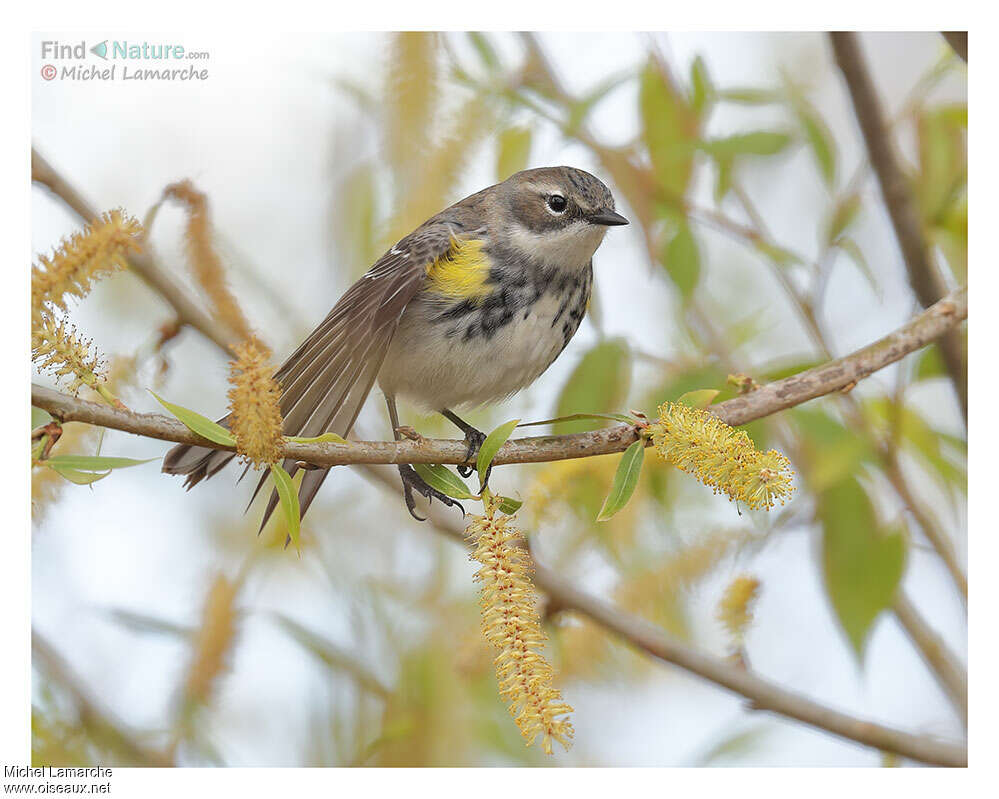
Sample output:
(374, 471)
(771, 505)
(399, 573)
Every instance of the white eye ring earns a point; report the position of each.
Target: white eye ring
(556, 204)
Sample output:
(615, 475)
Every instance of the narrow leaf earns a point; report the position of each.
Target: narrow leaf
(683, 261)
(759, 142)
(862, 565)
(496, 439)
(514, 151)
(80, 478)
(39, 417)
(573, 417)
(598, 384)
(94, 463)
(701, 398)
(444, 480)
(702, 93)
(625, 479)
(509, 505)
(289, 501)
(197, 423)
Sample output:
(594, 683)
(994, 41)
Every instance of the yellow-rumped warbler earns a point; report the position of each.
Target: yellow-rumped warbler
(469, 308)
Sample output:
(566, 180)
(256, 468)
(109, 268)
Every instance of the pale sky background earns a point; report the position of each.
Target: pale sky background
(260, 138)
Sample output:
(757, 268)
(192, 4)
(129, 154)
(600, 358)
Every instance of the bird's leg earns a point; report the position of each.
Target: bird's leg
(473, 438)
(410, 479)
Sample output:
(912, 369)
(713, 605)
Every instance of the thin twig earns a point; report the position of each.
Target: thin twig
(143, 264)
(902, 208)
(763, 694)
(940, 660)
(90, 714)
(766, 400)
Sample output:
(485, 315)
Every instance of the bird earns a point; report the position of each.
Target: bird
(468, 309)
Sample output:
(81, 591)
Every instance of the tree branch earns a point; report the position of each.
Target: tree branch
(898, 196)
(91, 715)
(958, 40)
(941, 661)
(763, 694)
(143, 264)
(840, 374)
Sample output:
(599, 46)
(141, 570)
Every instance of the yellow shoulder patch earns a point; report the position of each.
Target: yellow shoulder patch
(462, 274)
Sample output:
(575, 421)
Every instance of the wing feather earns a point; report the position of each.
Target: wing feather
(326, 380)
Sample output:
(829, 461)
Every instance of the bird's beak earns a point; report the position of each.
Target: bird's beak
(608, 218)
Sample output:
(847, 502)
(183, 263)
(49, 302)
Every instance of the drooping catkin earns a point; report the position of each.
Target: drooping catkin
(205, 262)
(735, 610)
(98, 250)
(254, 405)
(721, 457)
(57, 348)
(213, 640)
(510, 623)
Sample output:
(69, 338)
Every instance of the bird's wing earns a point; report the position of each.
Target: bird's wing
(325, 381)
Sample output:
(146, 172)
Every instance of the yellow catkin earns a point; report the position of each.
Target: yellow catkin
(205, 262)
(735, 610)
(98, 250)
(56, 348)
(510, 623)
(721, 457)
(254, 405)
(213, 641)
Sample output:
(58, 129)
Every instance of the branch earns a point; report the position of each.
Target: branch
(838, 375)
(958, 41)
(763, 694)
(941, 661)
(91, 715)
(143, 264)
(898, 196)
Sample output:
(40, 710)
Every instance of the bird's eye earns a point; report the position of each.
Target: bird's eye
(557, 203)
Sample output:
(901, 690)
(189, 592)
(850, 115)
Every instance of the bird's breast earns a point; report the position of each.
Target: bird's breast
(468, 352)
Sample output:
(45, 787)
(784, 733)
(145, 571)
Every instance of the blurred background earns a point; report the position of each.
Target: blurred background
(759, 245)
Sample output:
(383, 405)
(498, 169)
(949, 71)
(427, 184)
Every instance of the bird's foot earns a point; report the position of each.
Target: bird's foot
(411, 480)
(473, 441)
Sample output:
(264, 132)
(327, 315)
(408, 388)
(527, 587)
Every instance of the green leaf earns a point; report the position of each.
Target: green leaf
(444, 480)
(930, 364)
(701, 398)
(598, 384)
(509, 505)
(573, 417)
(289, 501)
(723, 181)
(683, 261)
(94, 463)
(197, 423)
(751, 96)
(862, 566)
(702, 92)
(496, 439)
(485, 49)
(78, 477)
(625, 479)
(843, 216)
(580, 108)
(756, 143)
(670, 129)
(852, 249)
(514, 151)
(39, 417)
(332, 438)
(819, 140)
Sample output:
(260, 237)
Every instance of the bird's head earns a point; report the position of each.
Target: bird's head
(557, 214)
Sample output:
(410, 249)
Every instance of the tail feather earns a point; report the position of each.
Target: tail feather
(325, 381)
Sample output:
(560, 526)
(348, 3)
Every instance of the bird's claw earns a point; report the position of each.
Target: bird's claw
(411, 480)
(473, 440)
